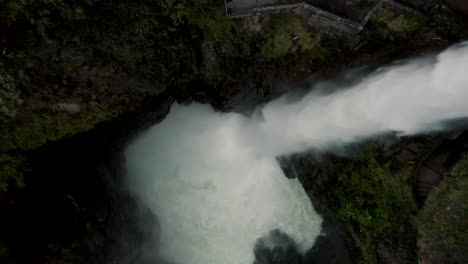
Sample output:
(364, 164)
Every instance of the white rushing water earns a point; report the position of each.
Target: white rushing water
(214, 196)
(212, 178)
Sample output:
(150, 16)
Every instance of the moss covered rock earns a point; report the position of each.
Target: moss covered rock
(443, 221)
(9, 94)
(370, 200)
(286, 34)
(397, 21)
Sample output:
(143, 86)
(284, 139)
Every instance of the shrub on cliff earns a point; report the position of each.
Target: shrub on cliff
(449, 25)
(9, 94)
(396, 22)
(370, 199)
(443, 221)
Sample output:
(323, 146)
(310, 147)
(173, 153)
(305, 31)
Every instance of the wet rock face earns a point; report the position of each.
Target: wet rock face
(75, 208)
(398, 246)
(210, 57)
(333, 246)
(459, 6)
(276, 248)
(318, 176)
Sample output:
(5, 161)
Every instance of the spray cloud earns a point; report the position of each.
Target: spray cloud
(212, 178)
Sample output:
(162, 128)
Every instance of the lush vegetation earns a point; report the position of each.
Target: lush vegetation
(449, 25)
(9, 94)
(397, 22)
(443, 221)
(62, 63)
(370, 199)
(124, 34)
(44, 45)
(286, 34)
(41, 128)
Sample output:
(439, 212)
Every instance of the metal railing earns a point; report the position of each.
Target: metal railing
(322, 13)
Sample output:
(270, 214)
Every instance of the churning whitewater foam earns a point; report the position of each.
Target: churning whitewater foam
(213, 195)
(212, 178)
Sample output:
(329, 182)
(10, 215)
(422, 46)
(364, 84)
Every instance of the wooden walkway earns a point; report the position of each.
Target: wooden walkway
(433, 168)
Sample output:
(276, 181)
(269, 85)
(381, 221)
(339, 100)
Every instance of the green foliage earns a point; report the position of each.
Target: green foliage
(124, 33)
(5, 255)
(370, 200)
(449, 25)
(403, 24)
(284, 35)
(443, 221)
(9, 94)
(43, 127)
(11, 10)
(397, 23)
(159, 35)
(12, 167)
(3, 251)
(34, 16)
(155, 38)
(147, 36)
(207, 19)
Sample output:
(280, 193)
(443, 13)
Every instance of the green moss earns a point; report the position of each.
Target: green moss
(286, 34)
(209, 21)
(450, 26)
(149, 37)
(3, 252)
(403, 24)
(12, 167)
(397, 23)
(370, 200)
(43, 127)
(6, 256)
(9, 94)
(443, 221)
